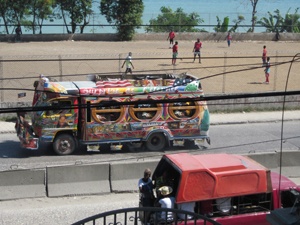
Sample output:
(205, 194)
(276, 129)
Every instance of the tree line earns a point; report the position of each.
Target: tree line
(126, 16)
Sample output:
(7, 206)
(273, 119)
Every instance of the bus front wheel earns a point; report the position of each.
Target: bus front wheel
(156, 142)
(64, 144)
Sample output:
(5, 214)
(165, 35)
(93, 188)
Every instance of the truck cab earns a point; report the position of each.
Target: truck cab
(230, 189)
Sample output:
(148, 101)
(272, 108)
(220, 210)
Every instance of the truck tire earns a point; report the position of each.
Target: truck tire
(64, 144)
(156, 142)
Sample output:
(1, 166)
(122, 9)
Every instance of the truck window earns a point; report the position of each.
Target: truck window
(236, 205)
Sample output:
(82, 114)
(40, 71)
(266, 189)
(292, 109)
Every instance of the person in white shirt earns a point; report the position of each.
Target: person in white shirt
(128, 62)
(167, 201)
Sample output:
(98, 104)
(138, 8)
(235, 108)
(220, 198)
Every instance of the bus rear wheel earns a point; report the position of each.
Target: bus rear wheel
(64, 144)
(156, 142)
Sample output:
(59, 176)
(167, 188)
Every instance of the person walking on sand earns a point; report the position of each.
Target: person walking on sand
(171, 38)
(196, 49)
(264, 55)
(128, 63)
(267, 70)
(175, 52)
(228, 38)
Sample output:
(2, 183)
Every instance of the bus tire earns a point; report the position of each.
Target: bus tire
(190, 144)
(156, 142)
(64, 144)
(104, 148)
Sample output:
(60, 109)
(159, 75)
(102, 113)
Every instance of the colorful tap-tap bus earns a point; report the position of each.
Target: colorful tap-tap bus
(148, 111)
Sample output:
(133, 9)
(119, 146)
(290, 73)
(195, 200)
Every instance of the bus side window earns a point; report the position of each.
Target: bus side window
(107, 112)
(140, 112)
(183, 110)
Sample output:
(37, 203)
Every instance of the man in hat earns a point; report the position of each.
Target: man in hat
(167, 201)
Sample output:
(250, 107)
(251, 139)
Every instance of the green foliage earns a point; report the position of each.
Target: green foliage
(225, 24)
(125, 14)
(78, 11)
(13, 12)
(38, 10)
(275, 22)
(291, 22)
(178, 21)
(222, 27)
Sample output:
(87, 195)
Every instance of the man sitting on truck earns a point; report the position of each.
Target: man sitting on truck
(167, 201)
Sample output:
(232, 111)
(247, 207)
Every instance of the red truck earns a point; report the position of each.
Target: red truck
(230, 189)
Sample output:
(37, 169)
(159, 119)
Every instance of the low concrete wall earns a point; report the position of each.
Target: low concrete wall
(106, 178)
(78, 180)
(269, 160)
(124, 176)
(152, 37)
(18, 184)
(251, 104)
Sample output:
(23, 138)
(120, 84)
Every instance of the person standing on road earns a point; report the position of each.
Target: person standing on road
(228, 38)
(196, 49)
(128, 63)
(146, 187)
(267, 70)
(175, 52)
(264, 55)
(171, 38)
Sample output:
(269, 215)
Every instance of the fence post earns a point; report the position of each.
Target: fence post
(275, 72)
(224, 71)
(60, 68)
(120, 64)
(1, 79)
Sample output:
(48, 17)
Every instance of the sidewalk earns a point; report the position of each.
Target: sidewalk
(215, 119)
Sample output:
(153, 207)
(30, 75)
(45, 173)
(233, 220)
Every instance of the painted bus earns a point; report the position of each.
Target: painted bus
(227, 188)
(139, 111)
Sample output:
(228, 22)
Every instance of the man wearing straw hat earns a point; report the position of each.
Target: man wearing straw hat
(167, 201)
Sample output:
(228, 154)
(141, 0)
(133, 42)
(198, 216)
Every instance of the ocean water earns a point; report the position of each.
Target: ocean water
(207, 9)
(210, 9)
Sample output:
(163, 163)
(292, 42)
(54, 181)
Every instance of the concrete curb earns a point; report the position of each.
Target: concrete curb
(17, 184)
(78, 180)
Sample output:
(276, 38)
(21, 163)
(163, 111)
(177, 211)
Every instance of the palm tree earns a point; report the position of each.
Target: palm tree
(276, 23)
(291, 22)
(273, 23)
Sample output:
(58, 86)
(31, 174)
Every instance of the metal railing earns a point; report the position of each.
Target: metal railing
(137, 216)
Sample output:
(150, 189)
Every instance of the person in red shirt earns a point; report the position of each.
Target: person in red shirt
(196, 49)
(264, 55)
(228, 38)
(175, 52)
(171, 38)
